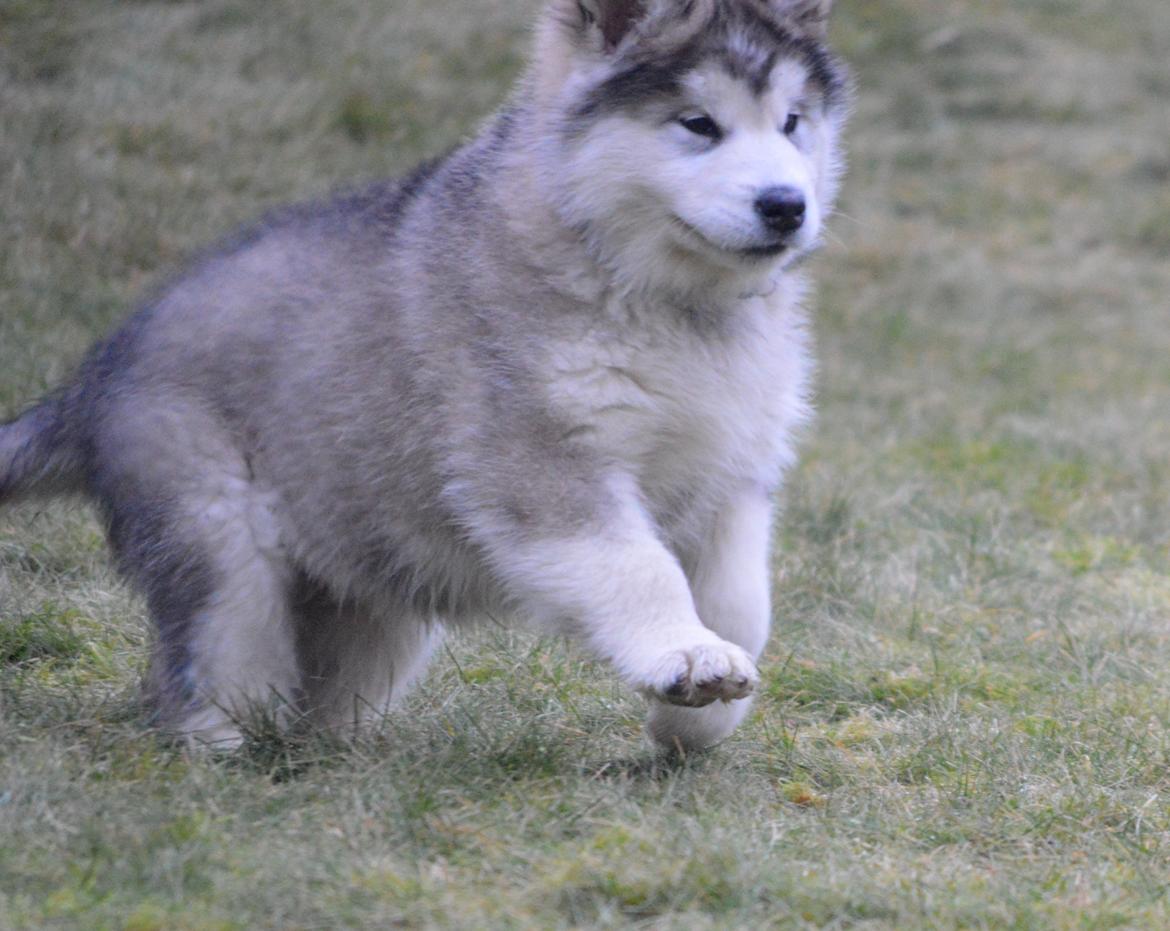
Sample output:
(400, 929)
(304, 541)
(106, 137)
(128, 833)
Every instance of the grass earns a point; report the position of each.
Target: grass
(967, 698)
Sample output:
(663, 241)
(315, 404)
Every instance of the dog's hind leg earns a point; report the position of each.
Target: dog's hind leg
(730, 583)
(194, 533)
(358, 661)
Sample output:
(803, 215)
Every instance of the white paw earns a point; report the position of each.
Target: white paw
(698, 675)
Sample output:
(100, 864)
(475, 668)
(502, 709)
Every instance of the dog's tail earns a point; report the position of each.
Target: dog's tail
(39, 455)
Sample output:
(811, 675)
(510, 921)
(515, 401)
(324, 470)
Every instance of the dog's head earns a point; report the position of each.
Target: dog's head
(700, 133)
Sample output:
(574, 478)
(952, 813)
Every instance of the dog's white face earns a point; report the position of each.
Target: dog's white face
(719, 152)
(738, 170)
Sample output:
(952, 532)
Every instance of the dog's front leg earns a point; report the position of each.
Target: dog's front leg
(730, 582)
(620, 590)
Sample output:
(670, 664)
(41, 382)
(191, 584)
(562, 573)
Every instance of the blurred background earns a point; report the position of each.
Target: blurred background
(966, 699)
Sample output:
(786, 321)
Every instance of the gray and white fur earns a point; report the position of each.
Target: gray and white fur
(554, 376)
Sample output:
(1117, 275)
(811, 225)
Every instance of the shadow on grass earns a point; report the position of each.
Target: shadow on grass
(653, 766)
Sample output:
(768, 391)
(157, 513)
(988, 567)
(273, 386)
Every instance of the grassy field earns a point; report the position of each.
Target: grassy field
(967, 697)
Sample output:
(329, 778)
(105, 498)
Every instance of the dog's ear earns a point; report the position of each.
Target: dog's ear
(614, 18)
(811, 16)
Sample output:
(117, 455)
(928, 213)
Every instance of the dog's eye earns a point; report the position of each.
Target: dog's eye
(791, 124)
(702, 125)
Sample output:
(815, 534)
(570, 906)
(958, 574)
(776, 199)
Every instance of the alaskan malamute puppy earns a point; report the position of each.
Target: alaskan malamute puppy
(553, 375)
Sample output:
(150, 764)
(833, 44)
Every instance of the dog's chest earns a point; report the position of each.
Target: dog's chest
(682, 406)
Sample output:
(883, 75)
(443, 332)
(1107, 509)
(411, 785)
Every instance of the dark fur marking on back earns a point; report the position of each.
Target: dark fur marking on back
(390, 208)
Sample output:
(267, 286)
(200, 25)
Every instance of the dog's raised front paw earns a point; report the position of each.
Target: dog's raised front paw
(699, 675)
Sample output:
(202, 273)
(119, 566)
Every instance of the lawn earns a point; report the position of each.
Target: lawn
(966, 700)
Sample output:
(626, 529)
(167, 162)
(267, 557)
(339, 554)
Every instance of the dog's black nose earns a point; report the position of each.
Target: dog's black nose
(782, 208)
